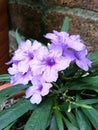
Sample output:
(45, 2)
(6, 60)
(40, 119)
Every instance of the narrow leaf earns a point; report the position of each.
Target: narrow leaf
(11, 114)
(82, 86)
(18, 38)
(69, 125)
(40, 116)
(59, 120)
(4, 77)
(6, 93)
(82, 120)
(94, 58)
(72, 118)
(82, 105)
(91, 80)
(9, 126)
(65, 25)
(53, 125)
(88, 101)
(92, 115)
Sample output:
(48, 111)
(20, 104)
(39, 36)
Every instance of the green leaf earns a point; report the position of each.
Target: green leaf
(88, 101)
(82, 105)
(96, 106)
(82, 120)
(94, 58)
(69, 125)
(65, 106)
(90, 80)
(11, 114)
(92, 115)
(4, 77)
(70, 71)
(59, 119)
(9, 126)
(53, 125)
(65, 25)
(6, 93)
(40, 116)
(18, 38)
(82, 86)
(72, 118)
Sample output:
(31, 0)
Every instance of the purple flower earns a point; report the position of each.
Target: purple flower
(40, 88)
(72, 48)
(81, 59)
(39, 65)
(13, 70)
(20, 70)
(49, 64)
(21, 78)
(25, 54)
(63, 40)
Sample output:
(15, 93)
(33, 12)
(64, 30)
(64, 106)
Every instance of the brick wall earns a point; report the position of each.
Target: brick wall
(36, 17)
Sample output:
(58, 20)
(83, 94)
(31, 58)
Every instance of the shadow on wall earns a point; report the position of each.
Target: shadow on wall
(4, 41)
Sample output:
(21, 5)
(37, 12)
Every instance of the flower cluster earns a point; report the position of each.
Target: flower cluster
(39, 65)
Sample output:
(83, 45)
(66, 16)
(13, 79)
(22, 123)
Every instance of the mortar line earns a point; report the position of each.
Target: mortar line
(87, 14)
(84, 13)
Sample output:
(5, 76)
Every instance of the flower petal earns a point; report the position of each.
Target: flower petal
(36, 98)
(84, 63)
(29, 92)
(46, 88)
(50, 74)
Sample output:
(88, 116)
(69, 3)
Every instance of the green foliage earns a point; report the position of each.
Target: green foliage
(39, 117)
(72, 118)
(91, 80)
(11, 114)
(94, 58)
(53, 124)
(65, 25)
(59, 119)
(82, 120)
(9, 126)
(8, 92)
(18, 38)
(4, 77)
(69, 125)
(92, 115)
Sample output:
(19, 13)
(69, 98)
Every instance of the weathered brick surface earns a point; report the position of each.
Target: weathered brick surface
(24, 1)
(26, 19)
(36, 17)
(87, 4)
(87, 28)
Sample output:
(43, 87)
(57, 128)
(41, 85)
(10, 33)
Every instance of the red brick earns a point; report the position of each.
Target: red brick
(87, 4)
(26, 19)
(88, 29)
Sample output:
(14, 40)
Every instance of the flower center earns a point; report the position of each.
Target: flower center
(50, 61)
(31, 56)
(40, 88)
(76, 55)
